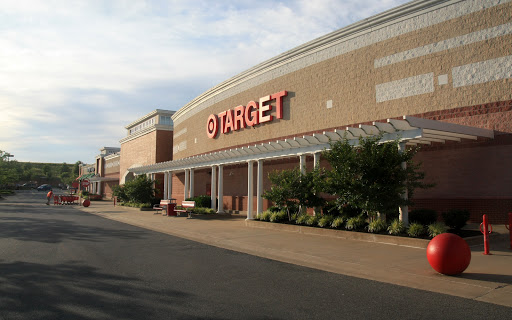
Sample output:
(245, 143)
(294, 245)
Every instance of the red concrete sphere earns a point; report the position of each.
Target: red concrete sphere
(86, 203)
(448, 254)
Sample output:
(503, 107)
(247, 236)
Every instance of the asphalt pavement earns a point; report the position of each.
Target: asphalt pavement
(69, 262)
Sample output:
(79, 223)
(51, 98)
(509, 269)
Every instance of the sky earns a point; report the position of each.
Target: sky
(73, 74)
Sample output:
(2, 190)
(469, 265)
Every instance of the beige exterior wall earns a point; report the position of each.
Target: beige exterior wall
(112, 166)
(456, 62)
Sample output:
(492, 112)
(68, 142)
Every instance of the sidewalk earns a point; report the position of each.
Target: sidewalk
(488, 277)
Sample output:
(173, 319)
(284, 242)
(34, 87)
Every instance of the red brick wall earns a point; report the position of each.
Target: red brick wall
(139, 151)
(497, 209)
(178, 186)
(163, 145)
(151, 148)
(107, 188)
(496, 116)
(473, 175)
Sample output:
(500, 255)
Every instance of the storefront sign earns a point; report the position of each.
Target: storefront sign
(246, 116)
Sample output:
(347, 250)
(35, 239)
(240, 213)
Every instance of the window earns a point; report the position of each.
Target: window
(144, 125)
(165, 120)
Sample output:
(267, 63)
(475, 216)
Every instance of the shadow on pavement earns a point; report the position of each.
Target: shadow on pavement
(500, 278)
(76, 291)
(54, 230)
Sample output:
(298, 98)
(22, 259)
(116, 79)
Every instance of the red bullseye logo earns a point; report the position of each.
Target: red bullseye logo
(212, 126)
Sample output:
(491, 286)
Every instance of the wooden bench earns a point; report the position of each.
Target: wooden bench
(188, 206)
(162, 206)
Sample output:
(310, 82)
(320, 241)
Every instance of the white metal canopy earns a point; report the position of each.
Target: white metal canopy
(411, 130)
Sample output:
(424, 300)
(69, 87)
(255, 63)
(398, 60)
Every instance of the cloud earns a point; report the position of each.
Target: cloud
(74, 73)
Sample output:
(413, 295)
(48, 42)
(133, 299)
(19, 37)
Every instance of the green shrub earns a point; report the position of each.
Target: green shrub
(274, 209)
(293, 208)
(325, 221)
(396, 227)
(350, 211)
(278, 216)
(139, 190)
(338, 222)
(293, 217)
(377, 225)
(135, 204)
(265, 215)
(423, 216)
(283, 215)
(456, 218)
(330, 208)
(436, 228)
(203, 210)
(355, 223)
(415, 230)
(302, 219)
(311, 221)
(202, 201)
(273, 217)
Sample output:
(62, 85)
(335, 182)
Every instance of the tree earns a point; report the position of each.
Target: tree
(66, 178)
(290, 189)
(370, 176)
(76, 168)
(8, 172)
(47, 170)
(64, 168)
(282, 192)
(139, 190)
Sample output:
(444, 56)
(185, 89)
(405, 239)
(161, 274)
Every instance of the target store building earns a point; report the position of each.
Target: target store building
(435, 74)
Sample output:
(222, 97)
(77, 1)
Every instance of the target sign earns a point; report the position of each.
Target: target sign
(251, 115)
(212, 128)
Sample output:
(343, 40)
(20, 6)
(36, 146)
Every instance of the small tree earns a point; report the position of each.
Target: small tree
(282, 192)
(370, 176)
(291, 188)
(310, 187)
(138, 190)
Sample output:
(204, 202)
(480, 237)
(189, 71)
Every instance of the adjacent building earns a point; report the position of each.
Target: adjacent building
(149, 140)
(107, 172)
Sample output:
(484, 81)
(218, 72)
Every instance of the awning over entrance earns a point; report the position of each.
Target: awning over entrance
(411, 130)
(85, 176)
